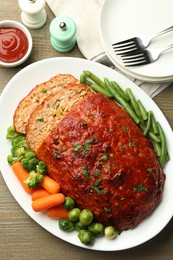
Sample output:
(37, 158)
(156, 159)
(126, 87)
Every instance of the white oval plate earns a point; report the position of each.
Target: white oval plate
(121, 19)
(18, 87)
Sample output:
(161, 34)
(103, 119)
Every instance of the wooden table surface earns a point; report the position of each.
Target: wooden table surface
(20, 237)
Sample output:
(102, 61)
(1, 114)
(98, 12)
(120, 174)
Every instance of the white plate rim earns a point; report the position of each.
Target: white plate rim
(51, 67)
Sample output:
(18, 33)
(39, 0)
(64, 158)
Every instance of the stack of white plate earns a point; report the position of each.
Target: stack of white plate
(123, 19)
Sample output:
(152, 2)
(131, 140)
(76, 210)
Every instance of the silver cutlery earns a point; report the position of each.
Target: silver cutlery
(144, 57)
(137, 43)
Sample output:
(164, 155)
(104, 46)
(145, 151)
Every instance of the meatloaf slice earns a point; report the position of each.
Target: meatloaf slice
(102, 159)
(36, 96)
(52, 110)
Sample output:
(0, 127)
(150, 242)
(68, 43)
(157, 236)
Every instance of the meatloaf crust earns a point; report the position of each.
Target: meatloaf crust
(36, 96)
(52, 110)
(101, 159)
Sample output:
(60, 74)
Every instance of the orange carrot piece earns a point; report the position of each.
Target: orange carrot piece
(48, 202)
(50, 185)
(21, 175)
(57, 212)
(39, 193)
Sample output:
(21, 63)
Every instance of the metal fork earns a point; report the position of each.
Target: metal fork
(137, 43)
(144, 57)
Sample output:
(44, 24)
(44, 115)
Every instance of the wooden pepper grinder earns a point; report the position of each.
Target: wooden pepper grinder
(63, 33)
(33, 13)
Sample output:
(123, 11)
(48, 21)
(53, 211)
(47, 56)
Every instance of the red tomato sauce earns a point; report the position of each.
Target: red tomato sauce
(13, 44)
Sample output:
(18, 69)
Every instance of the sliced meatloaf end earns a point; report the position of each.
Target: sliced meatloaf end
(36, 96)
(52, 110)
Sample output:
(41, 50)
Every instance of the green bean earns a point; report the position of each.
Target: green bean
(164, 151)
(96, 79)
(157, 148)
(154, 124)
(147, 129)
(167, 157)
(123, 102)
(133, 102)
(117, 88)
(89, 83)
(154, 137)
(83, 78)
(102, 91)
(106, 88)
(142, 110)
(120, 90)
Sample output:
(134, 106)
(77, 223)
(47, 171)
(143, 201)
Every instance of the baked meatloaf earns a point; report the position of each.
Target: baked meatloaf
(101, 159)
(36, 96)
(53, 108)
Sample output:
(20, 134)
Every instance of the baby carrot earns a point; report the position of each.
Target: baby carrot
(48, 202)
(50, 185)
(39, 193)
(22, 175)
(57, 212)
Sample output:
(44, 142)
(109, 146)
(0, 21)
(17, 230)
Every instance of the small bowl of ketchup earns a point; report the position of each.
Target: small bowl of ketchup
(15, 43)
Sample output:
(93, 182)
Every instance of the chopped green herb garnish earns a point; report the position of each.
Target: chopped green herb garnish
(86, 146)
(97, 182)
(76, 148)
(140, 188)
(97, 190)
(85, 169)
(97, 173)
(43, 91)
(125, 128)
(150, 169)
(132, 143)
(56, 156)
(107, 210)
(105, 156)
(108, 165)
(40, 119)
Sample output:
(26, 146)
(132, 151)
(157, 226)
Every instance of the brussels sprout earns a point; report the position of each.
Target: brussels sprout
(96, 228)
(110, 232)
(86, 217)
(66, 225)
(86, 237)
(73, 214)
(79, 226)
(69, 203)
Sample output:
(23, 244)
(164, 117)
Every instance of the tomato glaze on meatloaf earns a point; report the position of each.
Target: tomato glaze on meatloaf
(101, 158)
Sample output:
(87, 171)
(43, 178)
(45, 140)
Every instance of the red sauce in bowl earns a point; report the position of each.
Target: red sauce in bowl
(13, 44)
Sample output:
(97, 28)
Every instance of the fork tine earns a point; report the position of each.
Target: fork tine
(133, 57)
(124, 45)
(136, 59)
(136, 64)
(122, 42)
(126, 52)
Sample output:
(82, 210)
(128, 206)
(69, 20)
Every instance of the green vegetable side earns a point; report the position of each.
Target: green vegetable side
(84, 223)
(144, 119)
(21, 152)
